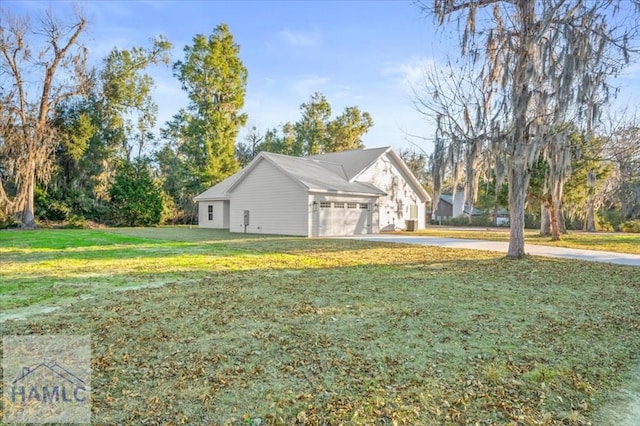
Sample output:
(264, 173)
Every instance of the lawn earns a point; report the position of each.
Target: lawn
(619, 242)
(205, 327)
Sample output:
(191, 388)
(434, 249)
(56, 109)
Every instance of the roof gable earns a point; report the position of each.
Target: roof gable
(219, 190)
(336, 172)
(448, 198)
(312, 174)
(353, 162)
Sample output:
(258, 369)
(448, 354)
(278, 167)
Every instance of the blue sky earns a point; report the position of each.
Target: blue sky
(359, 53)
(363, 53)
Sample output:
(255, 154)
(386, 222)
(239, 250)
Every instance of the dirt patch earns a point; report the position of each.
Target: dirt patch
(624, 407)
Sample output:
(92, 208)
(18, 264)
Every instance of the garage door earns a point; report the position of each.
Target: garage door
(344, 218)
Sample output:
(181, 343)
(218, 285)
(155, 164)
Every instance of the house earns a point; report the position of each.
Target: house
(342, 193)
(453, 206)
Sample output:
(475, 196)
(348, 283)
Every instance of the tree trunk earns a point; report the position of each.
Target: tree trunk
(562, 224)
(553, 213)
(591, 222)
(545, 221)
(518, 183)
(28, 219)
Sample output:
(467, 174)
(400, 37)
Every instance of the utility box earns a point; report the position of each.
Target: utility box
(246, 220)
(411, 225)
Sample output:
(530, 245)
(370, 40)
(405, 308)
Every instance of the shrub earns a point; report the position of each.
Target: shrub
(531, 221)
(482, 220)
(136, 198)
(609, 220)
(7, 221)
(631, 226)
(75, 222)
(603, 224)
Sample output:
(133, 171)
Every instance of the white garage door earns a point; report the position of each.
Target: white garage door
(343, 218)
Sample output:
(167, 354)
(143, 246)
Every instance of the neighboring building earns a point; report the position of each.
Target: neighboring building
(450, 207)
(342, 193)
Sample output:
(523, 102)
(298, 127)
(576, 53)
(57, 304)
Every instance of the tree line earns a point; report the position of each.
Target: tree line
(523, 119)
(77, 143)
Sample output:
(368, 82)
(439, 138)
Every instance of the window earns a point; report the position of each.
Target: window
(352, 205)
(413, 211)
(210, 212)
(364, 206)
(325, 204)
(338, 205)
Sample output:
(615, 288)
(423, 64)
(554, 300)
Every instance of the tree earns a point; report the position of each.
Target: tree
(417, 163)
(452, 97)
(245, 152)
(347, 129)
(312, 131)
(624, 152)
(316, 133)
(586, 189)
(127, 109)
(98, 131)
(541, 61)
(136, 198)
(33, 83)
(215, 79)
(76, 128)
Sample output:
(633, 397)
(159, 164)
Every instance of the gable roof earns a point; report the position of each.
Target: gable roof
(219, 190)
(449, 200)
(313, 174)
(335, 172)
(353, 162)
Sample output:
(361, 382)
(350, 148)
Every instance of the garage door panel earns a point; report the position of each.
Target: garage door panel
(344, 221)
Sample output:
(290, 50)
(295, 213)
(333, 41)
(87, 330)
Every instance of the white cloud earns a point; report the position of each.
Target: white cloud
(300, 38)
(409, 75)
(306, 86)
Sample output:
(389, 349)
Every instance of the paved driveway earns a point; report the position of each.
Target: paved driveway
(500, 246)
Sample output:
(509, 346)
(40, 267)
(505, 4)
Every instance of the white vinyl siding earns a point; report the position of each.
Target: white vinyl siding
(276, 204)
(219, 214)
(401, 202)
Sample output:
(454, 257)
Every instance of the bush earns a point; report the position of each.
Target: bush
(631, 226)
(7, 221)
(75, 222)
(604, 224)
(482, 220)
(531, 221)
(136, 198)
(609, 220)
(50, 209)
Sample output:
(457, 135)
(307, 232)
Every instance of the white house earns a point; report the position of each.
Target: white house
(342, 193)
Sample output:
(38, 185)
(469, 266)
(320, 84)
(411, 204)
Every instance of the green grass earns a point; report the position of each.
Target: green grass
(616, 242)
(287, 330)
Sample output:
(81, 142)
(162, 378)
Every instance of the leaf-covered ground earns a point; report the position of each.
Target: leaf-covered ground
(252, 330)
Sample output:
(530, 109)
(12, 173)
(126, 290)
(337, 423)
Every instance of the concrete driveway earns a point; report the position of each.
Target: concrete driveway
(500, 246)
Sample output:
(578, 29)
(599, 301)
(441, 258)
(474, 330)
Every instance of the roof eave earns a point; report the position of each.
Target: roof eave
(223, 198)
(338, 192)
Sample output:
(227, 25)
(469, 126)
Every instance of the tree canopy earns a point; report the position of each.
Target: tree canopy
(542, 63)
